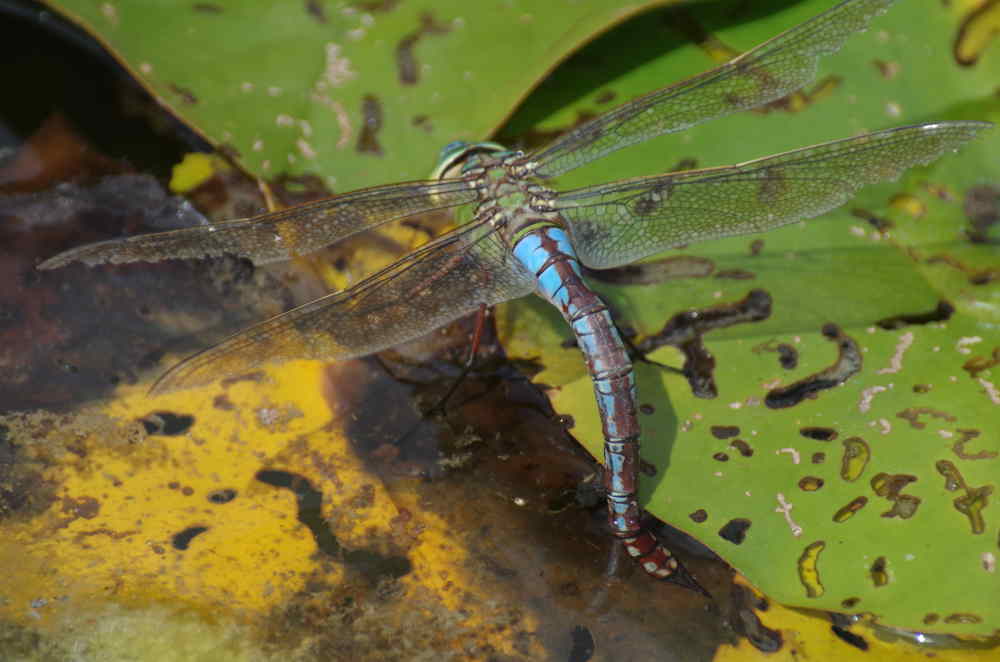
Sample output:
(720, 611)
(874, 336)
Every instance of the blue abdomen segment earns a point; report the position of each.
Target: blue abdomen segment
(548, 254)
(538, 251)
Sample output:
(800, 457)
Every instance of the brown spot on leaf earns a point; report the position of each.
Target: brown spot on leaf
(316, 11)
(976, 33)
(913, 414)
(879, 573)
(183, 539)
(407, 68)
(941, 313)
(223, 403)
(808, 567)
(371, 124)
(965, 436)
(982, 207)
(890, 486)
(810, 483)
(735, 530)
(953, 479)
(699, 516)
(422, 122)
(974, 499)
(735, 274)
(222, 496)
(978, 364)
(788, 356)
(888, 70)
(881, 224)
(685, 331)
(847, 365)
(167, 424)
(819, 434)
(846, 512)
(743, 447)
(975, 275)
(855, 458)
(724, 431)
(84, 507)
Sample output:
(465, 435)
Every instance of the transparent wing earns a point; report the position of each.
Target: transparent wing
(770, 71)
(443, 280)
(282, 234)
(618, 223)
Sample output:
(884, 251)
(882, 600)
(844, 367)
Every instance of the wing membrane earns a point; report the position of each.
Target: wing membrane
(440, 282)
(282, 234)
(618, 223)
(770, 71)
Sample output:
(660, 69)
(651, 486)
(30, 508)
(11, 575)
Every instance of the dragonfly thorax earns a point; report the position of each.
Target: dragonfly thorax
(511, 201)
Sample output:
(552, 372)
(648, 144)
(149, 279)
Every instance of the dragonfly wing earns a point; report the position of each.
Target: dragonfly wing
(282, 234)
(618, 223)
(770, 71)
(440, 282)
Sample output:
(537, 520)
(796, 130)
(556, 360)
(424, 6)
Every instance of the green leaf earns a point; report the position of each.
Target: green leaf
(920, 553)
(286, 88)
(361, 93)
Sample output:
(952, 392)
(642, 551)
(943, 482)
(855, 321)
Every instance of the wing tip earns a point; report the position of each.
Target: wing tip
(92, 254)
(954, 135)
(54, 262)
(178, 378)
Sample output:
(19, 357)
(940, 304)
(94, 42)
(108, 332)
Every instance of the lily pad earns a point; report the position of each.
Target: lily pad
(858, 475)
(350, 91)
(297, 96)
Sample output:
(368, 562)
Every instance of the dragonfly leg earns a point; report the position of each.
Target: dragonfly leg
(477, 337)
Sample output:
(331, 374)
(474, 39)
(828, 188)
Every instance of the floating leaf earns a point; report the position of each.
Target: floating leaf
(360, 93)
(852, 467)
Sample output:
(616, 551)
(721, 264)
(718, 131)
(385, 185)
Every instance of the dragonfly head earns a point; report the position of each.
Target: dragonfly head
(458, 156)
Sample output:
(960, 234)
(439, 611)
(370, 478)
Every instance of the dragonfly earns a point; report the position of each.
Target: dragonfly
(522, 236)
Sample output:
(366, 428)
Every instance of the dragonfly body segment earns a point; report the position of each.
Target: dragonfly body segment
(548, 253)
(523, 236)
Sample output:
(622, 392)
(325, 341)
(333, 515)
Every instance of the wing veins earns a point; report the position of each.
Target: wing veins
(280, 234)
(764, 62)
(283, 326)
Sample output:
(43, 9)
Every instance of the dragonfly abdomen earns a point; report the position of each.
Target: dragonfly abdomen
(547, 253)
